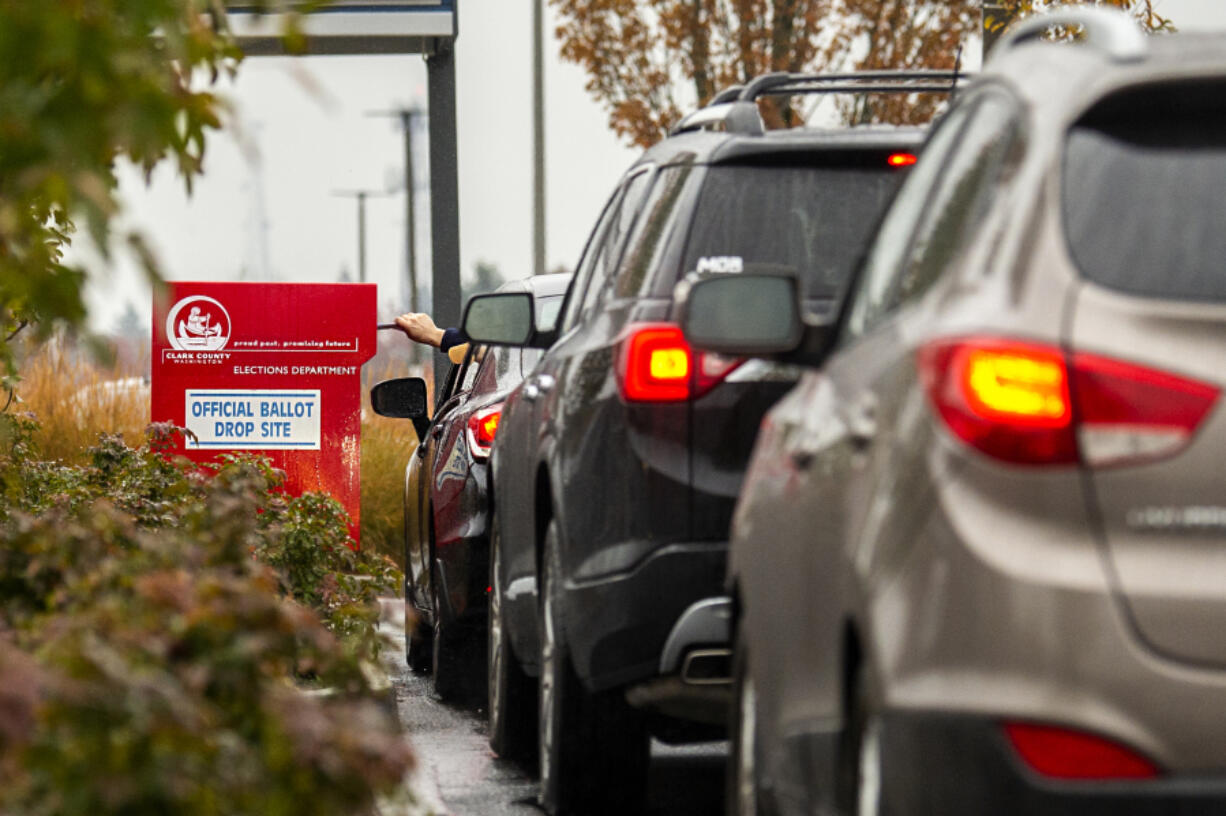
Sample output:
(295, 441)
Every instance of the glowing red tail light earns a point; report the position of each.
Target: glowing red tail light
(1060, 753)
(482, 426)
(1025, 403)
(902, 159)
(656, 364)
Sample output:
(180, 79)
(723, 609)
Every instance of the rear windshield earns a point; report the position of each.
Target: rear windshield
(1144, 178)
(811, 221)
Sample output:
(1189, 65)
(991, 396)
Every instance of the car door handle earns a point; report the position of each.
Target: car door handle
(538, 385)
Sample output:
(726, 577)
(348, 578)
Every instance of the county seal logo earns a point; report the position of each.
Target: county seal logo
(198, 323)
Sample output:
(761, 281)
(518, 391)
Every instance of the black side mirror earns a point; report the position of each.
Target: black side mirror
(505, 319)
(403, 398)
(500, 319)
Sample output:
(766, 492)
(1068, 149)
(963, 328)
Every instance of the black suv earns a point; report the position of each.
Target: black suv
(620, 457)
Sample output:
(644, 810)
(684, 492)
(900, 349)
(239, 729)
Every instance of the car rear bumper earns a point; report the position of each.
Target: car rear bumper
(617, 627)
(1001, 612)
(941, 764)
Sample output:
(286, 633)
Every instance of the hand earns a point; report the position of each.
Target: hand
(418, 326)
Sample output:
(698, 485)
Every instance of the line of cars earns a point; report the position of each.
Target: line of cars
(976, 560)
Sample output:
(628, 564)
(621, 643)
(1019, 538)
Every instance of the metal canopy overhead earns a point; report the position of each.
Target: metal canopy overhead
(393, 27)
(352, 27)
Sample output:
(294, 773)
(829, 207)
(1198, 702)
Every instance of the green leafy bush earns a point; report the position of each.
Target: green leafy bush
(157, 628)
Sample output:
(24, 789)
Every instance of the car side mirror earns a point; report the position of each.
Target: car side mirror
(499, 319)
(750, 315)
(505, 319)
(403, 398)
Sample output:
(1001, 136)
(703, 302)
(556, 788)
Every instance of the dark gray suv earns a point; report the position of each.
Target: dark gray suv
(619, 459)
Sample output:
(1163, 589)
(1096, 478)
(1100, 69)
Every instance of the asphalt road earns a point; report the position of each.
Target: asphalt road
(458, 774)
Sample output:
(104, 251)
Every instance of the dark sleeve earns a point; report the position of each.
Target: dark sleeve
(452, 337)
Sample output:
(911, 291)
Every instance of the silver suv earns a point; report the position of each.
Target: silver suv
(979, 558)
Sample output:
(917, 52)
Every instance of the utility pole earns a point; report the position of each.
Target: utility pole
(444, 192)
(538, 138)
(361, 196)
(408, 117)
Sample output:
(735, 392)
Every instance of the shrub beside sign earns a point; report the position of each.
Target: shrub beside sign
(272, 368)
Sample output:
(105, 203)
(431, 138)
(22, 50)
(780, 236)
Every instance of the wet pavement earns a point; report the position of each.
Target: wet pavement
(458, 774)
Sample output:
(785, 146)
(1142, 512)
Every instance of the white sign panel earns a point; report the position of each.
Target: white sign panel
(352, 27)
(280, 419)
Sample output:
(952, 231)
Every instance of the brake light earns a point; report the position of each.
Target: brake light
(1007, 399)
(482, 426)
(1023, 403)
(1060, 753)
(656, 364)
(902, 159)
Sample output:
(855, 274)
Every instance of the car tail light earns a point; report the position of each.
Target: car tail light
(656, 364)
(482, 426)
(1024, 403)
(1061, 753)
(1127, 413)
(901, 159)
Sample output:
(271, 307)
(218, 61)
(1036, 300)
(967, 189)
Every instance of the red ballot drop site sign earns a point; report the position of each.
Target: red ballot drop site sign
(272, 369)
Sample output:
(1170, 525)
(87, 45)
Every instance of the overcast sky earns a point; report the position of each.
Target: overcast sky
(268, 205)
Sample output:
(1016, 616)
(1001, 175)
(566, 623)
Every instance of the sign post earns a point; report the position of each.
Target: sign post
(272, 369)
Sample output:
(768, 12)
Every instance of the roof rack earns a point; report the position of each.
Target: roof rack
(726, 95)
(1112, 32)
(736, 107)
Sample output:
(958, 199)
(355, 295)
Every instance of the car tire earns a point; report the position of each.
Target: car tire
(418, 648)
(743, 794)
(594, 748)
(454, 662)
(510, 693)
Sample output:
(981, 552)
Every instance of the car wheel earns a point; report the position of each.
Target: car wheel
(594, 748)
(511, 696)
(453, 658)
(743, 795)
(418, 649)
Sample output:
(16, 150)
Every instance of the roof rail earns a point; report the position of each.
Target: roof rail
(783, 84)
(1113, 32)
(726, 95)
(737, 110)
(736, 117)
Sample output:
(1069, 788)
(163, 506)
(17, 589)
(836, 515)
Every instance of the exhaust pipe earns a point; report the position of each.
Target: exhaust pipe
(707, 667)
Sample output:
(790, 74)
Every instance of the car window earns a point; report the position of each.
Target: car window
(547, 309)
(660, 216)
(448, 390)
(611, 247)
(468, 373)
(528, 360)
(962, 195)
(1157, 156)
(812, 220)
(889, 248)
(587, 263)
(499, 367)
